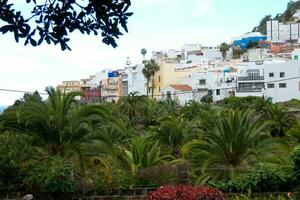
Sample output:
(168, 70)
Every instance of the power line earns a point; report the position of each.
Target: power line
(20, 91)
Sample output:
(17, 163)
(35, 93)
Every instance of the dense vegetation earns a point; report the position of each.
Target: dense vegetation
(58, 147)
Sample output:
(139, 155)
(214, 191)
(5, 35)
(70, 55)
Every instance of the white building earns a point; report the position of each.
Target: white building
(178, 92)
(296, 54)
(136, 80)
(282, 81)
(192, 53)
(280, 32)
(220, 83)
(99, 76)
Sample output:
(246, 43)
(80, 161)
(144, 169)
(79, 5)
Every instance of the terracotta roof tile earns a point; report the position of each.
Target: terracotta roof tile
(181, 87)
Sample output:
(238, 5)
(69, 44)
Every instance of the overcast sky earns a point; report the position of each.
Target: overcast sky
(155, 25)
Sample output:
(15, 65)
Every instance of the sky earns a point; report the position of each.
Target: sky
(155, 25)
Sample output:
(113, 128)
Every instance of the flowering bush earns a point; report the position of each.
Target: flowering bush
(186, 193)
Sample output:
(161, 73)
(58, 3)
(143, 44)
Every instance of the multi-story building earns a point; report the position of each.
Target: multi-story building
(250, 81)
(279, 32)
(282, 81)
(220, 83)
(136, 80)
(70, 86)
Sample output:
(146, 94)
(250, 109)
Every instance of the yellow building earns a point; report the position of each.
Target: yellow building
(70, 86)
(171, 73)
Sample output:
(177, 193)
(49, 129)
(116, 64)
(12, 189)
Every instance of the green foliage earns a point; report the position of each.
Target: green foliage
(295, 158)
(262, 178)
(231, 143)
(262, 27)
(149, 71)
(207, 99)
(14, 153)
(224, 47)
(53, 177)
(52, 21)
(241, 103)
(57, 147)
(281, 120)
(173, 133)
(287, 16)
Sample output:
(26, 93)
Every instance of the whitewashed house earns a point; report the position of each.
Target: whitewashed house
(219, 83)
(178, 92)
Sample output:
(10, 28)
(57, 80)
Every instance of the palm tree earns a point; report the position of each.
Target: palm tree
(224, 47)
(173, 133)
(143, 153)
(152, 67)
(60, 126)
(135, 107)
(194, 109)
(280, 118)
(232, 143)
(147, 74)
(143, 52)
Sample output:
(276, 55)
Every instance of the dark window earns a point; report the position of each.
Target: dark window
(158, 89)
(271, 74)
(271, 85)
(282, 85)
(159, 79)
(168, 94)
(218, 91)
(202, 81)
(282, 74)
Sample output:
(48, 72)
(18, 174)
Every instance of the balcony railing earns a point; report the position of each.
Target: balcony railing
(248, 90)
(251, 78)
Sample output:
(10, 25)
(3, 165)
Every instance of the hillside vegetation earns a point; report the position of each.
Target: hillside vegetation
(286, 16)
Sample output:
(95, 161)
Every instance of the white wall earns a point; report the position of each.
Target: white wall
(279, 32)
(136, 80)
(103, 74)
(215, 81)
(291, 79)
(181, 96)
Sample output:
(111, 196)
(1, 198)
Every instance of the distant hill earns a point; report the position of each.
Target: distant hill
(286, 16)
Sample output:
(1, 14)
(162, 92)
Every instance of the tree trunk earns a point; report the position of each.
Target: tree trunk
(152, 86)
(147, 88)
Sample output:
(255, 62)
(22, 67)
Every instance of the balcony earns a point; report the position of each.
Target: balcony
(248, 90)
(251, 78)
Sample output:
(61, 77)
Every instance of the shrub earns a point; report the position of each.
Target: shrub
(295, 158)
(262, 178)
(186, 193)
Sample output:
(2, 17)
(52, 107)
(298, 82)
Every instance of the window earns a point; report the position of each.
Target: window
(271, 75)
(168, 94)
(271, 85)
(296, 57)
(218, 92)
(282, 74)
(282, 85)
(158, 89)
(253, 72)
(202, 81)
(159, 79)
